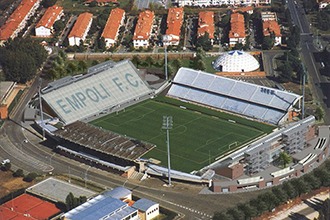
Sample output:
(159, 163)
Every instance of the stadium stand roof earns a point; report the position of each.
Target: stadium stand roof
(255, 101)
(105, 87)
(101, 207)
(236, 61)
(27, 206)
(103, 141)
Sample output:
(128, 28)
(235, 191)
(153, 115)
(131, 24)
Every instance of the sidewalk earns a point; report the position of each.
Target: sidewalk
(301, 206)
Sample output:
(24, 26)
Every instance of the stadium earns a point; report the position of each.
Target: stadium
(111, 118)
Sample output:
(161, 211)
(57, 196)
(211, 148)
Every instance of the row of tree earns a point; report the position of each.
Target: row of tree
(278, 195)
(21, 58)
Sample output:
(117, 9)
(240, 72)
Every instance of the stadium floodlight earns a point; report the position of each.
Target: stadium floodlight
(303, 91)
(167, 125)
(41, 112)
(166, 40)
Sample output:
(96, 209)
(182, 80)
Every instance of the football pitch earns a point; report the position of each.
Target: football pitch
(199, 135)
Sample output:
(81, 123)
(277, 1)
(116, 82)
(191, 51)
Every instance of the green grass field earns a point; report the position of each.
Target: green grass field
(199, 135)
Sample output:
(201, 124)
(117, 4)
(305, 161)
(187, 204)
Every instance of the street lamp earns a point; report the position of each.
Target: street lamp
(86, 174)
(166, 40)
(167, 125)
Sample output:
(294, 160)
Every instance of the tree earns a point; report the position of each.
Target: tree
(280, 194)
(58, 26)
(284, 158)
(101, 44)
(248, 210)
(204, 42)
(267, 43)
(221, 216)
(235, 213)
(177, 63)
(48, 3)
(259, 205)
(70, 201)
(312, 181)
(71, 68)
(82, 65)
(300, 186)
(323, 175)
(136, 61)
(6, 167)
(319, 114)
(201, 65)
(286, 72)
(30, 177)
(18, 173)
(289, 190)
(270, 200)
(150, 61)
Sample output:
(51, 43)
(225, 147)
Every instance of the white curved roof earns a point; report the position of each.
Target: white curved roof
(236, 61)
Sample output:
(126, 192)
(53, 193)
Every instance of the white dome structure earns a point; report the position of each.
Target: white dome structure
(236, 61)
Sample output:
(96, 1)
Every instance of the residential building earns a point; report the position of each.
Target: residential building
(270, 26)
(247, 9)
(206, 24)
(143, 29)
(237, 30)
(80, 29)
(147, 209)
(268, 16)
(272, 29)
(174, 24)
(111, 29)
(18, 19)
(206, 3)
(44, 28)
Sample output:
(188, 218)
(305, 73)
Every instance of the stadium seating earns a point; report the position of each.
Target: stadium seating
(266, 104)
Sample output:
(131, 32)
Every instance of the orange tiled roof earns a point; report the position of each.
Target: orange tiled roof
(174, 21)
(101, 1)
(237, 26)
(144, 25)
(113, 23)
(81, 24)
(269, 27)
(16, 18)
(206, 23)
(50, 16)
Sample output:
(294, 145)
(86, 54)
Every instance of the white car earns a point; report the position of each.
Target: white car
(5, 161)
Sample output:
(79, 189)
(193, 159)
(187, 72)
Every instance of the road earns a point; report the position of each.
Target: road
(318, 84)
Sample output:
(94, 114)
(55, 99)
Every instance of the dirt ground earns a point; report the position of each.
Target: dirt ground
(9, 184)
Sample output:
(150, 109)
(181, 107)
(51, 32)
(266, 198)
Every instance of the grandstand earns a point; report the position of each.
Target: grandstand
(105, 87)
(94, 141)
(254, 101)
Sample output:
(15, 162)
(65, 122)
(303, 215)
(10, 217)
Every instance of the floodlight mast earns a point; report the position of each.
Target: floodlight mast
(41, 112)
(167, 125)
(303, 92)
(166, 40)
